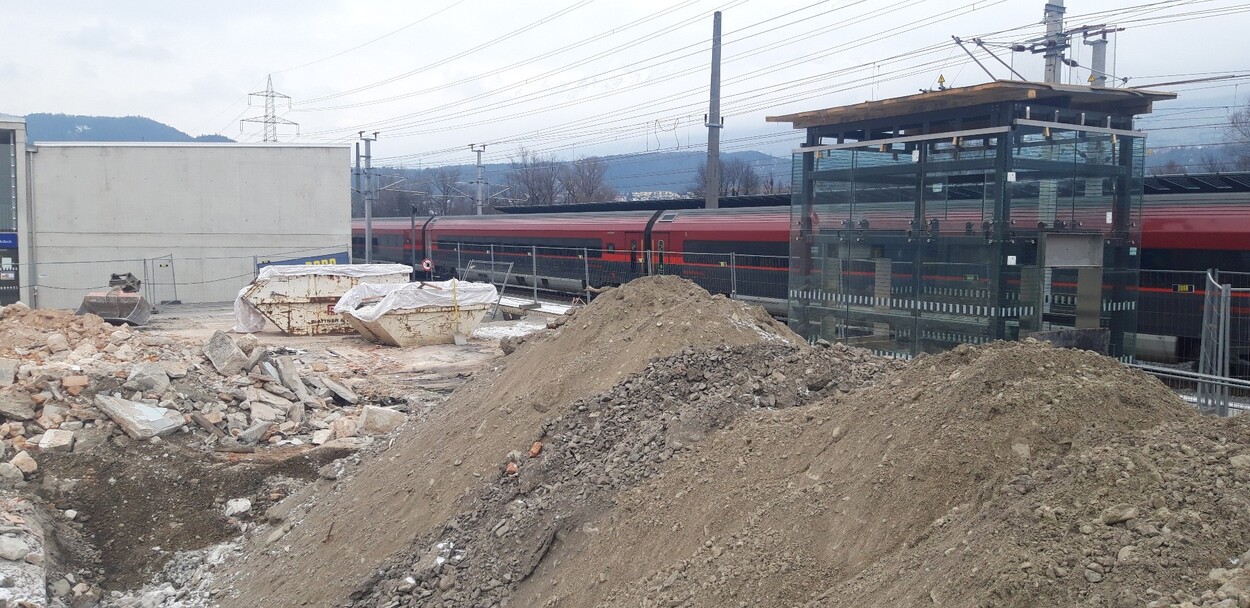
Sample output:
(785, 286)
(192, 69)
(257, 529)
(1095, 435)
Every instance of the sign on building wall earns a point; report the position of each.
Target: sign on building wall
(316, 260)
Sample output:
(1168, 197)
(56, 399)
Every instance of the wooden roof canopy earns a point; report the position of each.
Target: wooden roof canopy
(1093, 99)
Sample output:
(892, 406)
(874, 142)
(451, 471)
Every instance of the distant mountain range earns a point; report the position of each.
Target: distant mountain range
(73, 127)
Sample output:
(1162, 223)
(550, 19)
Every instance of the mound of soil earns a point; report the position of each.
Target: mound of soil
(386, 511)
(840, 503)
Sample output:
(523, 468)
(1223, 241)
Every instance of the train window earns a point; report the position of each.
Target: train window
(611, 247)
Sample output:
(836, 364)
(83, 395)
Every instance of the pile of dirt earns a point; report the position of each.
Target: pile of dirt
(900, 495)
(388, 508)
(579, 462)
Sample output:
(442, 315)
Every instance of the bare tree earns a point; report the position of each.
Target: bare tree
(1212, 163)
(737, 177)
(1239, 137)
(535, 178)
(585, 181)
(443, 190)
(1170, 168)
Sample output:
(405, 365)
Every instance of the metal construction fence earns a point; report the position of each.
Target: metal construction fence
(1194, 334)
(548, 270)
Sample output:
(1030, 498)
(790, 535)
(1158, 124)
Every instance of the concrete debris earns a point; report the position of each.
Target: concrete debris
(24, 462)
(8, 370)
(56, 440)
(290, 377)
(226, 356)
(376, 420)
(10, 472)
(149, 378)
(264, 412)
(74, 385)
(57, 343)
(13, 548)
(140, 420)
(16, 406)
(237, 506)
(341, 391)
(343, 427)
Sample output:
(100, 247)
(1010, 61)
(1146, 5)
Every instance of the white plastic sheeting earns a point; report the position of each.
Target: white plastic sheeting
(248, 319)
(413, 296)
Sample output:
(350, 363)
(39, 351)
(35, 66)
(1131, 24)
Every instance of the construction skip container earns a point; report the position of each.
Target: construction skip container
(417, 314)
(300, 299)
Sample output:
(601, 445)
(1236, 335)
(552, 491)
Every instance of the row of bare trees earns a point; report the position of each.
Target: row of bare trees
(534, 179)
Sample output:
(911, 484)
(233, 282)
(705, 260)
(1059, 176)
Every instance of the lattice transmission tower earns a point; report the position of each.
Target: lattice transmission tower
(270, 119)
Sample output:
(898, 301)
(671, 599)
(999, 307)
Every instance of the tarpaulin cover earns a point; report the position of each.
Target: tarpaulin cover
(248, 319)
(413, 296)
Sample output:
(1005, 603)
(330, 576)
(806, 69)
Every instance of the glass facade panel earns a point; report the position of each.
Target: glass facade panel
(964, 237)
(8, 181)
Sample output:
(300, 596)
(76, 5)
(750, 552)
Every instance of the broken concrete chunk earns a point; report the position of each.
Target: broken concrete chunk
(343, 427)
(255, 433)
(8, 371)
(56, 440)
(16, 405)
(149, 377)
(248, 343)
(13, 548)
(266, 412)
(174, 369)
(57, 343)
(341, 391)
(237, 506)
(74, 385)
(321, 436)
(9, 472)
(224, 354)
(140, 420)
(290, 377)
(378, 420)
(25, 462)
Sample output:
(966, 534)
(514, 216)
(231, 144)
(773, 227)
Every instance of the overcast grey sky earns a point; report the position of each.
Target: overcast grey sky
(570, 78)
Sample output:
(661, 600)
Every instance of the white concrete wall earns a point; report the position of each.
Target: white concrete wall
(103, 208)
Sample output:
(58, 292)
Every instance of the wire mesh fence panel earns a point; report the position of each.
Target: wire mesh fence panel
(761, 276)
(1213, 358)
(1169, 315)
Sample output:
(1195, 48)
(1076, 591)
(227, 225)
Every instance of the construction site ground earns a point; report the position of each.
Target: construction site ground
(658, 447)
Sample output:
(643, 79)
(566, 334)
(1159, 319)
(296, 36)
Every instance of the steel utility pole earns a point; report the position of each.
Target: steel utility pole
(1056, 39)
(480, 180)
(711, 176)
(356, 189)
(369, 195)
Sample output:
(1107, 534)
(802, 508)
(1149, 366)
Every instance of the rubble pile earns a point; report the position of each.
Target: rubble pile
(72, 382)
(577, 462)
(132, 432)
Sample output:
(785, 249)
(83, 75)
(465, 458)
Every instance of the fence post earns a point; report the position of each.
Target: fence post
(534, 270)
(459, 264)
(173, 277)
(733, 275)
(586, 266)
(1225, 352)
(492, 270)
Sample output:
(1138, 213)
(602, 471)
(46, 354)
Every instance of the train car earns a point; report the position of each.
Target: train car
(1190, 223)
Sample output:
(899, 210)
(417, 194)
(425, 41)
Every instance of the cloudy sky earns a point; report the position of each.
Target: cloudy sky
(571, 78)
